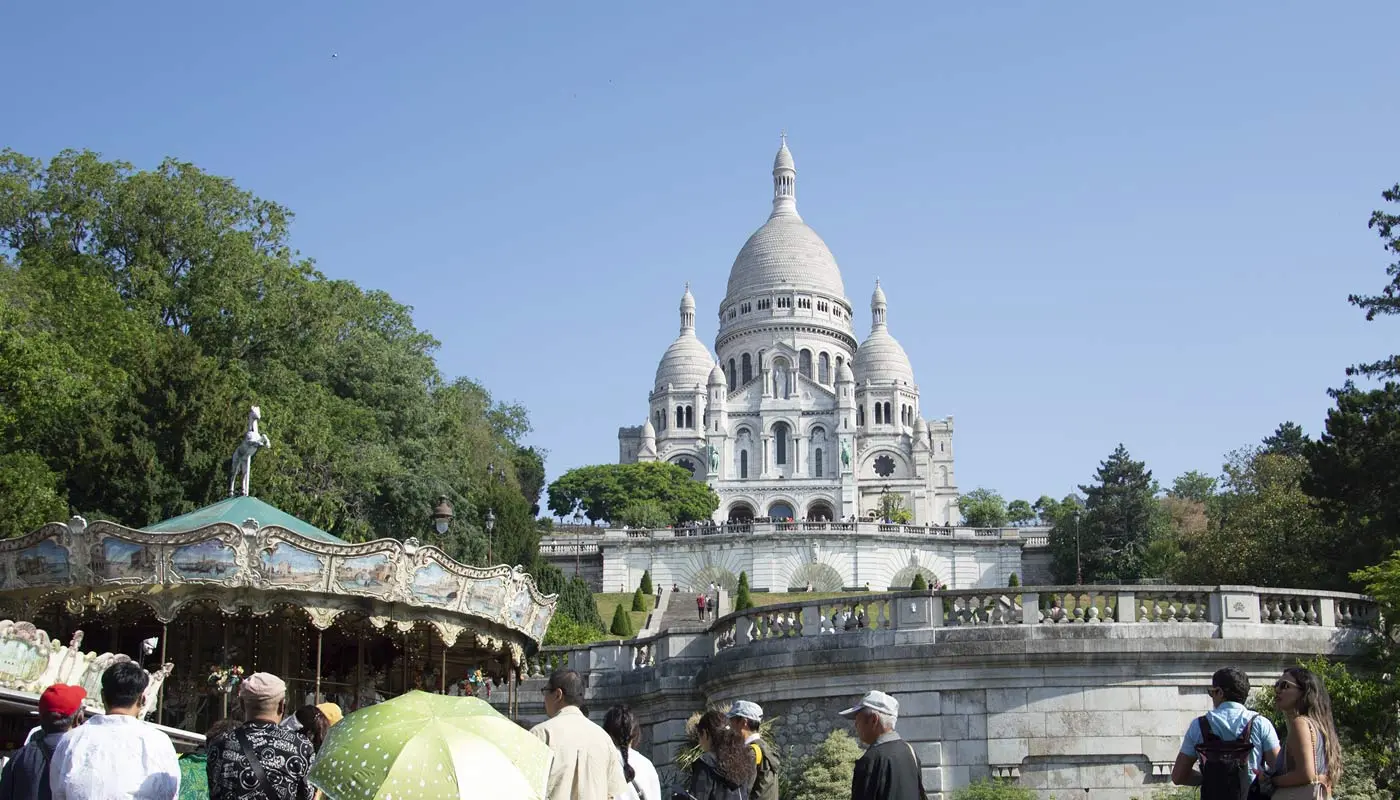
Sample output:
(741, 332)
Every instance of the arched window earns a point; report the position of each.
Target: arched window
(888, 418)
(780, 443)
(730, 377)
(839, 361)
(860, 416)
(743, 463)
(879, 413)
(747, 372)
(680, 417)
(690, 416)
(804, 363)
(824, 368)
(817, 462)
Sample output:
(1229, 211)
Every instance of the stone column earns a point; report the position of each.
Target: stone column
(799, 464)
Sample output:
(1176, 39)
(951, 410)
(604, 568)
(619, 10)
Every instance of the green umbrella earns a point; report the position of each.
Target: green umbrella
(421, 746)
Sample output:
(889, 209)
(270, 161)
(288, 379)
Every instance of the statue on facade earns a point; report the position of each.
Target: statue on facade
(845, 454)
(242, 461)
(714, 458)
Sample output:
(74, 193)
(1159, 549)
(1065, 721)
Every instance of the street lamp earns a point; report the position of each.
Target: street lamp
(1078, 565)
(442, 515)
(490, 538)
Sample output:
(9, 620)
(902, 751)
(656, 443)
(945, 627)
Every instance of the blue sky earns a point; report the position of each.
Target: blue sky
(1096, 222)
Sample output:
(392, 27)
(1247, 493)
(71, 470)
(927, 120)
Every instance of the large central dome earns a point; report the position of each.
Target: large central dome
(785, 253)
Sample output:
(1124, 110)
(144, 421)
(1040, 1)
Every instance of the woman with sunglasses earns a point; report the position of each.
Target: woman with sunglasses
(1311, 761)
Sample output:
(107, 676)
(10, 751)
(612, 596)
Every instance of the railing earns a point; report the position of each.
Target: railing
(568, 549)
(1201, 611)
(1029, 536)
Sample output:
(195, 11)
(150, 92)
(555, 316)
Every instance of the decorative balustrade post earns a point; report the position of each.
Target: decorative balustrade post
(1232, 607)
(1327, 612)
(1030, 608)
(1127, 608)
(812, 619)
(743, 630)
(936, 611)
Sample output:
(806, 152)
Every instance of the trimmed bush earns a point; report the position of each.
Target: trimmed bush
(742, 601)
(639, 600)
(646, 583)
(1014, 581)
(622, 623)
(919, 585)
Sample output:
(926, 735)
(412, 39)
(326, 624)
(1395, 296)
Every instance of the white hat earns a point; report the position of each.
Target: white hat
(746, 710)
(875, 701)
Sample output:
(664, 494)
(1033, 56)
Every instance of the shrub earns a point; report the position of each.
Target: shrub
(742, 601)
(646, 587)
(565, 630)
(622, 623)
(919, 584)
(826, 773)
(576, 600)
(1014, 581)
(639, 600)
(993, 789)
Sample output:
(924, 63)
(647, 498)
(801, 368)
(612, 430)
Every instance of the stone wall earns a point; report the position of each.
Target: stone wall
(1060, 689)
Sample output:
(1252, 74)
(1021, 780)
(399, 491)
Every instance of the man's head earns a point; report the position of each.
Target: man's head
(745, 717)
(264, 697)
(124, 688)
(1229, 685)
(875, 714)
(61, 708)
(564, 689)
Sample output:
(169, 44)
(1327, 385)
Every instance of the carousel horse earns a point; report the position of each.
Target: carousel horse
(242, 461)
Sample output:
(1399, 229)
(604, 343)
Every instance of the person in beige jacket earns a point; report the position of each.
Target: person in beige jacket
(586, 764)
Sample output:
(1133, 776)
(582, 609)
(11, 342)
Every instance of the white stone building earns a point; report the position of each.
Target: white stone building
(793, 419)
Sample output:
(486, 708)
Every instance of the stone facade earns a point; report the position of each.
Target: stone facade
(793, 420)
(1061, 689)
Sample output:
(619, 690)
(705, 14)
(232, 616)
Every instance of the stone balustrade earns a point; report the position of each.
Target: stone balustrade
(594, 536)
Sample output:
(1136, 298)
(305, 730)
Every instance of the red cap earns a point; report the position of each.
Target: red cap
(62, 699)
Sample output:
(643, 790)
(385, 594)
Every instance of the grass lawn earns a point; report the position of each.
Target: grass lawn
(607, 601)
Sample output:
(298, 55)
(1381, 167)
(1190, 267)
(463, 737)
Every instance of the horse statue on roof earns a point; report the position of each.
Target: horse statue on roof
(242, 461)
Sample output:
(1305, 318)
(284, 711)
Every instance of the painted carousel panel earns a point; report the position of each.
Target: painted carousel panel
(42, 564)
(116, 559)
(371, 574)
(24, 654)
(209, 560)
(286, 564)
(435, 585)
(488, 596)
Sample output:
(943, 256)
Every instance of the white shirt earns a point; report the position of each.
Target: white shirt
(644, 777)
(114, 757)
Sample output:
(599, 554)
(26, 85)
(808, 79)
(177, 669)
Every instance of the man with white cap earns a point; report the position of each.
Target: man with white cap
(889, 770)
(745, 718)
(260, 759)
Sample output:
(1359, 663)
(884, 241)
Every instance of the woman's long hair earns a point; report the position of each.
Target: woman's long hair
(1315, 704)
(621, 725)
(732, 758)
(314, 725)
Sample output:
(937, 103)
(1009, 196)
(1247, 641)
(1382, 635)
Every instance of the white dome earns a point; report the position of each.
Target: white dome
(685, 364)
(717, 377)
(843, 373)
(880, 359)
(784, 253)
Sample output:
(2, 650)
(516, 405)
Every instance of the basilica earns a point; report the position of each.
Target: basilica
(794, 419)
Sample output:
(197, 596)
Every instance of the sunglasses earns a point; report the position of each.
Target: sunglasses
(1281, 685)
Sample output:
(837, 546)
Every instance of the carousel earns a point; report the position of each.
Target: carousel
(241, 587)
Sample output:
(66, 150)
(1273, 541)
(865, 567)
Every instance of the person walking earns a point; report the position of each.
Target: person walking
(586, 763)
(746, 718)
(26, 775)
(890, 769)
(117, 754)
(725, 771)
(261, 759)
(194, 767)
(1310, 762)
(700, 605)
(642, 781)
(1228, 721)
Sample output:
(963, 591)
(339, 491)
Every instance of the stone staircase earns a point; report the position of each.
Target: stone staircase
(680, 611)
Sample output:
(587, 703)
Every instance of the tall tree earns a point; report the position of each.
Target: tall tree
(1019, 512)
(1194, 485)
(1119, 520)
(983, 508)
(604, 491)
(1286, 440)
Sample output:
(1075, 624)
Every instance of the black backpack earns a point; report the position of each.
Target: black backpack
(1225, 772)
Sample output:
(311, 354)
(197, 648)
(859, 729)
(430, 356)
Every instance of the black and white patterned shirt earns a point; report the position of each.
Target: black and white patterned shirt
(285, 757)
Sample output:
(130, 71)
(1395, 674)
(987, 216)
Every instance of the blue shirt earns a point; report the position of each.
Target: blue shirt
(1227, 721)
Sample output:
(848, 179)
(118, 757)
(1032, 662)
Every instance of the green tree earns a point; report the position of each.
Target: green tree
(602, 491)
(983, 508)
(1118, 522)
(529, 473)
(1020, 512)
(576, 602)
(28, 493)
(893, 510)
(1194, 485)
(621, 623)
(827, 773)
(1014, 581)
(645, 514)
(1287, 439)
(919, 584)
(639, 600)
(564, 630)
(646, 585)
(742, 600)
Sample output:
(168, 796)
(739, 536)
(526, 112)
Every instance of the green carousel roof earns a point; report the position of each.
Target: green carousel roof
(234, 511)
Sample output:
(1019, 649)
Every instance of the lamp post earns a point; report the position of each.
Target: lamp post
(578, 544)
(442, 515)
(490, 536)
(1078, 565)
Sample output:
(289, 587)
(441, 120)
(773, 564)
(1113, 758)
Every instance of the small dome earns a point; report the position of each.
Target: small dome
(843, 373)
(648, 430)
(880, 359)
(920, 427)
(784, 158)
(878, 298)
(717, 377)
(687, 299)
(685, 364)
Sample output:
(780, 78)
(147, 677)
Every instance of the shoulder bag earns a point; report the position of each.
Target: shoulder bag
(1308, 791)
(259, 774)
